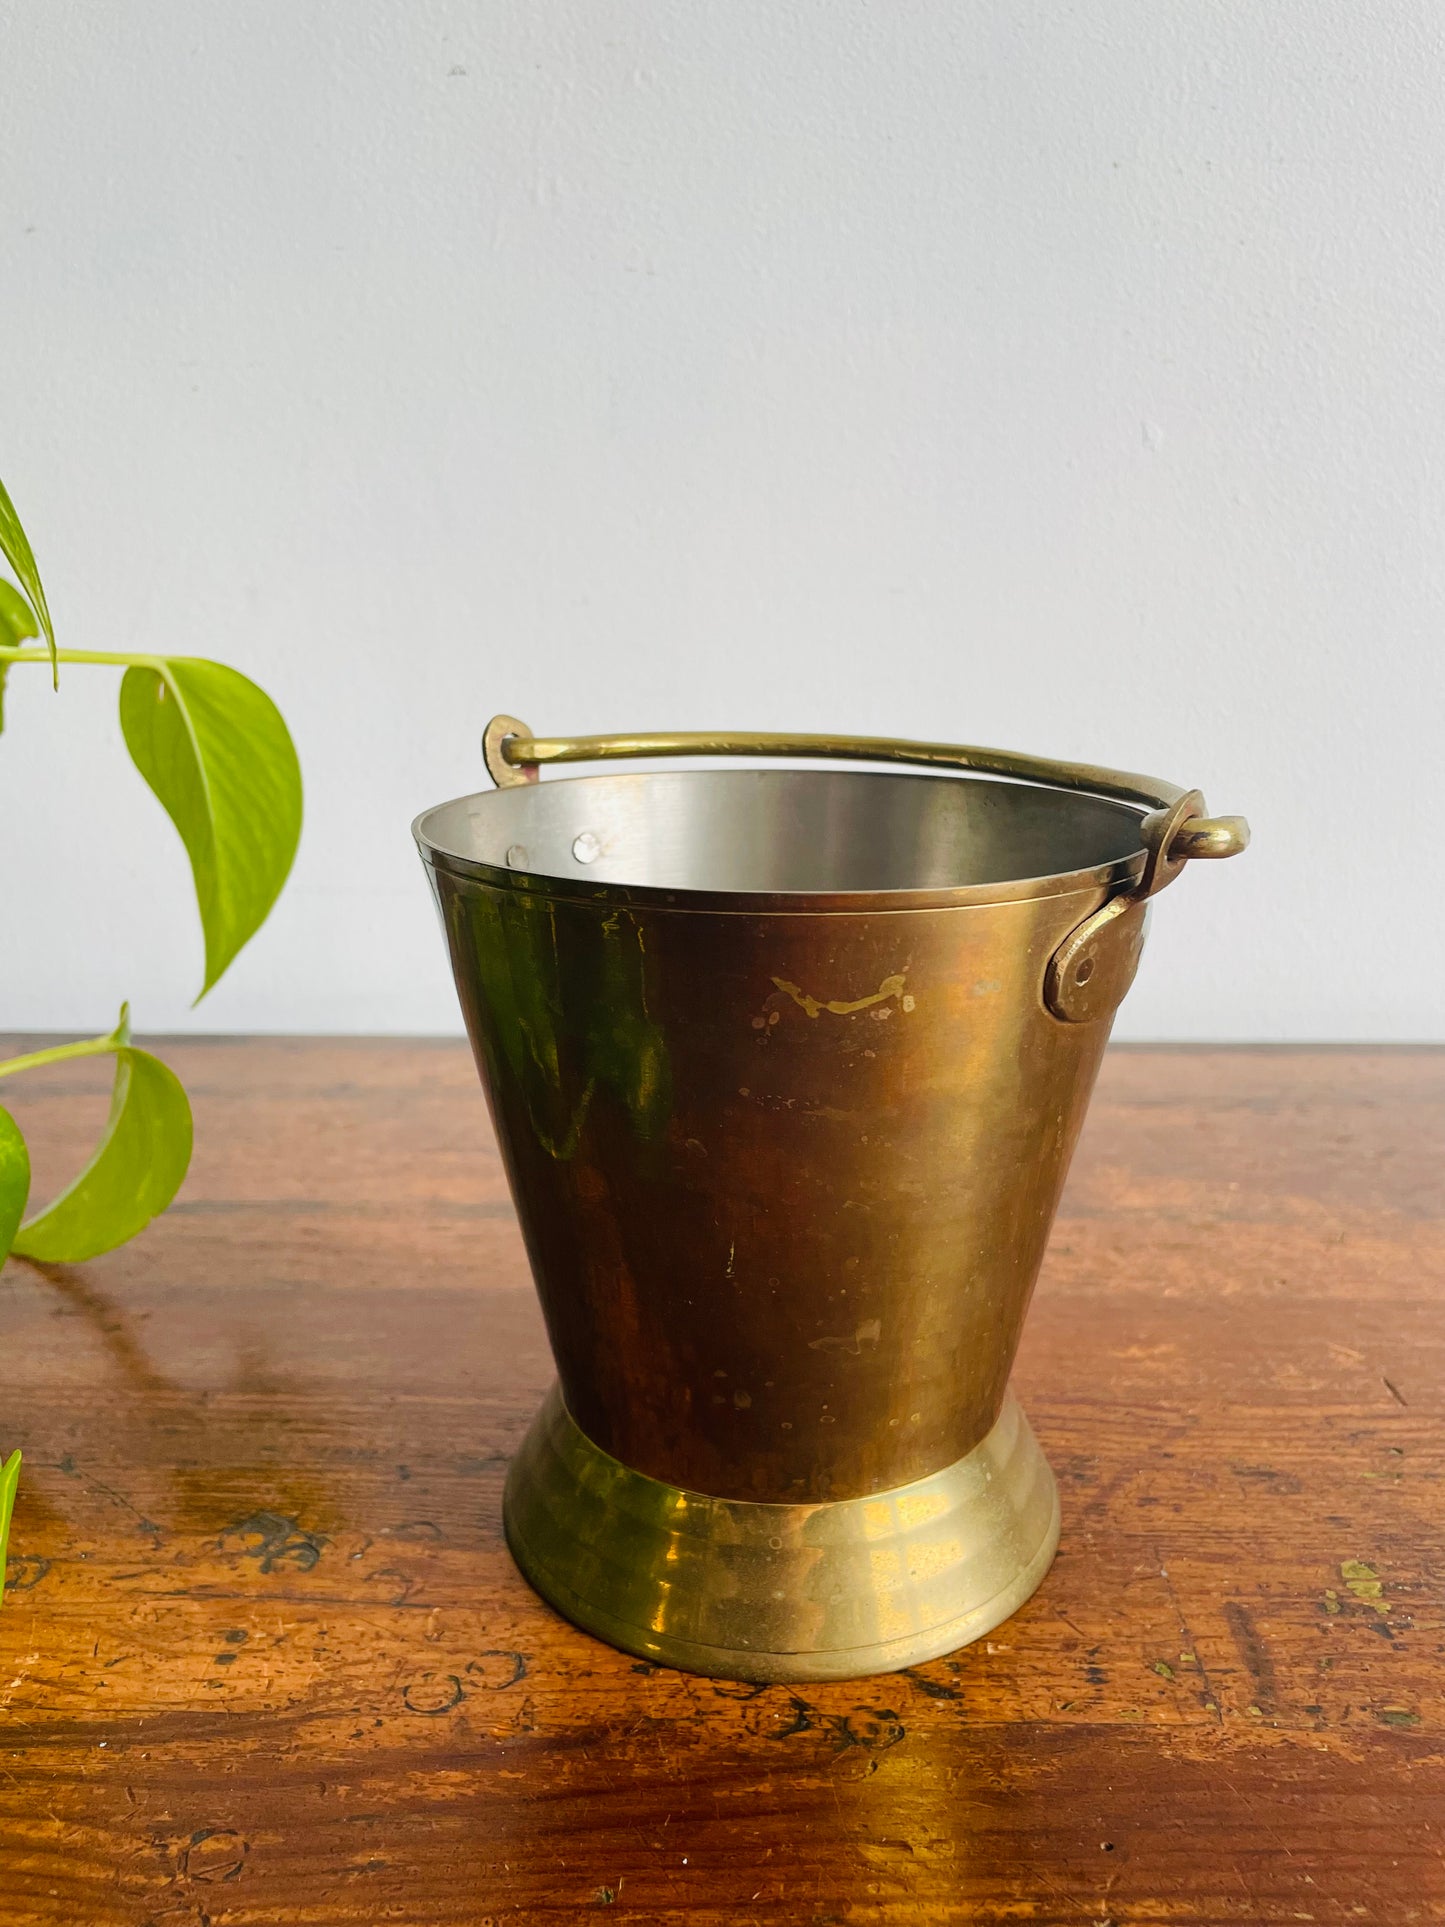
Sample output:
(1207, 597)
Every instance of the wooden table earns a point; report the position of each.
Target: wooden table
(264, 1659)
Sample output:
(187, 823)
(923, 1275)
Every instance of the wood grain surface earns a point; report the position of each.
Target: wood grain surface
(265, 1661)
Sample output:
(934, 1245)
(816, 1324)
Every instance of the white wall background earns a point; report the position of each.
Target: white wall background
(1068, 377)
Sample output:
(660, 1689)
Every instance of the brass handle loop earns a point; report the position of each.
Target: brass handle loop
(1175, 827)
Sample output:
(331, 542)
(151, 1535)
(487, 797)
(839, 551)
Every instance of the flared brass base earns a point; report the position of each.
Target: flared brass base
(782, 1592)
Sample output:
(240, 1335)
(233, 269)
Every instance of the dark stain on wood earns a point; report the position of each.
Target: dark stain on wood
(1253, 1652)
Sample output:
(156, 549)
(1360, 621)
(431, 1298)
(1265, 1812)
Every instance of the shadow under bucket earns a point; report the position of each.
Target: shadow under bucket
(787, 1067)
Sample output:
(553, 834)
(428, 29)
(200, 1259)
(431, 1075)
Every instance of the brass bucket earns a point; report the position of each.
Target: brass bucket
(787, 1066)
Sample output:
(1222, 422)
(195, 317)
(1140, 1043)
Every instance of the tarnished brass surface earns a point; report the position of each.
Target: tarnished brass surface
(782, 1592)
(787, 1068)
(500, 731)
(1090, 973)
(785, 1179)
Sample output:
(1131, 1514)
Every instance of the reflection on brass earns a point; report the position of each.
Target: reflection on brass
(787, 1067)
(1212, 836)
(782, 1592)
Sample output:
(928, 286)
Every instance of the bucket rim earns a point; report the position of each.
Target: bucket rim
(1109, 877)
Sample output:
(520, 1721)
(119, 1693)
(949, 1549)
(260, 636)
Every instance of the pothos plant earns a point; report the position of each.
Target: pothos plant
(213, 748)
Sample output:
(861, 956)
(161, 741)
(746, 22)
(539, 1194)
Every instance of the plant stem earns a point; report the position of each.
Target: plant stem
(92, 1047)
(8, 655)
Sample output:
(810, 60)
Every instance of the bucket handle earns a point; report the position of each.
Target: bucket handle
(1175, 828)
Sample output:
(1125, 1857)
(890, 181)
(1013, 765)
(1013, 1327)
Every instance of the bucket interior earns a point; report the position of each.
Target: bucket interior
(784, 830)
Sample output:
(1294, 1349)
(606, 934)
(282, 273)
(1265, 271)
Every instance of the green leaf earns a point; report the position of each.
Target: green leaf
(17, 618)
(15, 547)
(214, 749)
(135, 1172)
(17, 625)
(14, 1180)
(9, 1479)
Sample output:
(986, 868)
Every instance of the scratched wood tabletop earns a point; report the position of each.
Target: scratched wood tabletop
(264, 1659)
